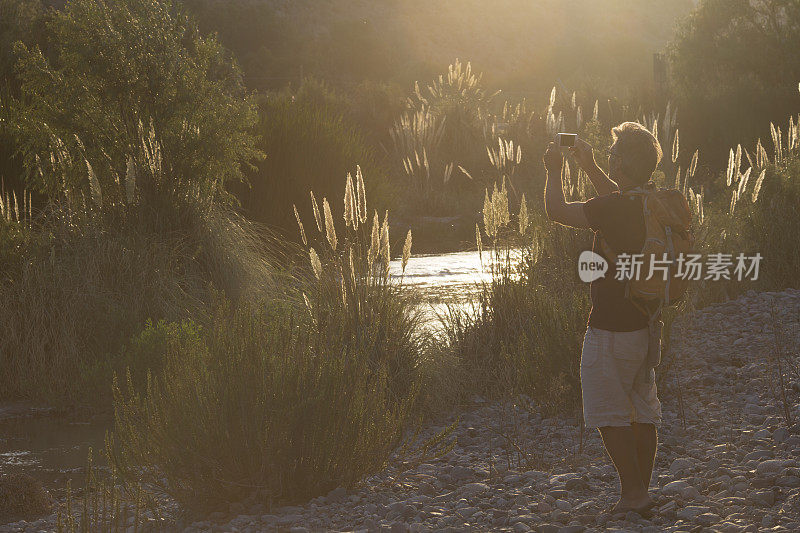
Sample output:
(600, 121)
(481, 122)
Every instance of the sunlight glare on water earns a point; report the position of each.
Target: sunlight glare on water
(453, 278)
(460, 268)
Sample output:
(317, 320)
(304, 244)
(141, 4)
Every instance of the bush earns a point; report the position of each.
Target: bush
(22, 496)
(526, 336)
(145, 354)
(121, 74)
(76, 289)
(445, 129)
(310, 143)
(760, 226)
(287, 400)
(752, 211)
(735, 54)
(132, 124)
(771, 219)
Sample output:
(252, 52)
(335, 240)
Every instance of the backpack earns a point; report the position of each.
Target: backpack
(667, 220)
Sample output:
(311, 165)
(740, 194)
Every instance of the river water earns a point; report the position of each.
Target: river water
(49, 446)
(442, 280)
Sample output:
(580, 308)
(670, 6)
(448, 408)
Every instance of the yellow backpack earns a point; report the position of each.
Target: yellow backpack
(668, 234)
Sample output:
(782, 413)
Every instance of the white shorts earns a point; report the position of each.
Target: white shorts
(618, 386)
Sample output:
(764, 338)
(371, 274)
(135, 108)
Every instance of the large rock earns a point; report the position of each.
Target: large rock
(770, 466)
(679, 465)
(691, 511)
(675, 487)
(473, 489)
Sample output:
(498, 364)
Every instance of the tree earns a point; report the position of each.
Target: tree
(735, 68)
(131, 86)
(20, 20)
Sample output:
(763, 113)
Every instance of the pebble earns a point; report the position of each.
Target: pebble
(726, 462)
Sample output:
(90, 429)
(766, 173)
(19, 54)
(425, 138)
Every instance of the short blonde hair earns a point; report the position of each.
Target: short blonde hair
(639, 149)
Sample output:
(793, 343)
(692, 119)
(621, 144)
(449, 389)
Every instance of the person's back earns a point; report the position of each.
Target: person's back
(619, 220)
(618, 386)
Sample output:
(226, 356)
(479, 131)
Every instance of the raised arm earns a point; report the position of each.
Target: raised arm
(584, 156)
(555, 205)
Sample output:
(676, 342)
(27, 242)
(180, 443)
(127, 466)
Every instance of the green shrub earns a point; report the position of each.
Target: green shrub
(131, 124)
(772, 219)
(445, 129)
(374, 107)
(119, 76)
(287, 400)
(735, 54)
(144, 354)
(22, 497)
(528, 334)
(752, 211)
(762, 226)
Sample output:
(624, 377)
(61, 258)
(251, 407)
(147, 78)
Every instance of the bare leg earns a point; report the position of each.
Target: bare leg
(646, 443)
(620, 444)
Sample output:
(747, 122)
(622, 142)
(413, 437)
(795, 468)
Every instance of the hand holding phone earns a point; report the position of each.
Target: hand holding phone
(583, 154)
(553, 159)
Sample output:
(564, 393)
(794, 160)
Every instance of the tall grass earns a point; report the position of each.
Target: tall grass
(83, 275)
(526, 334)
(750, 208)
(131, 126)
(457, 137)
(525, 337)
(77, 288)
(289, 399)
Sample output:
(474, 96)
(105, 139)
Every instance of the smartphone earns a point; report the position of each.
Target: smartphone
(566, 140)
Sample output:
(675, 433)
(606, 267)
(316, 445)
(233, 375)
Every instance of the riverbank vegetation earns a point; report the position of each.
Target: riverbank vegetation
(289, 399)
(177, 247)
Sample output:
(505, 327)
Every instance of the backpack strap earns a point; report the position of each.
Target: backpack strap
(671, 253)
(641, 190)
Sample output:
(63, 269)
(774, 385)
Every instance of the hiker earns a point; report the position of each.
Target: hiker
(617, 376)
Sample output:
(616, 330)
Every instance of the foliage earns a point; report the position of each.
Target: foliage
(772, 219)
(120, 73)
(22, 496)
(76, 289)
(309, 141)
(521, 46)
(443, 130)
(735, 55)
(526, 335)
(20, 20)
(353, 286)
(254, 34)
(287, 400)
(144, 354)
(758, 223)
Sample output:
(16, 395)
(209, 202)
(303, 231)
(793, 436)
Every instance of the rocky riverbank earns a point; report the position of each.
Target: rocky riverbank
(728, 460)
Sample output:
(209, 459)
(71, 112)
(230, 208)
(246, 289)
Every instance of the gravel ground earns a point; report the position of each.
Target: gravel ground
(728, 459)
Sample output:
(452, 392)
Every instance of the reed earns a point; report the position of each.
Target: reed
(79, 283)
(287, 399)
(524, 335)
